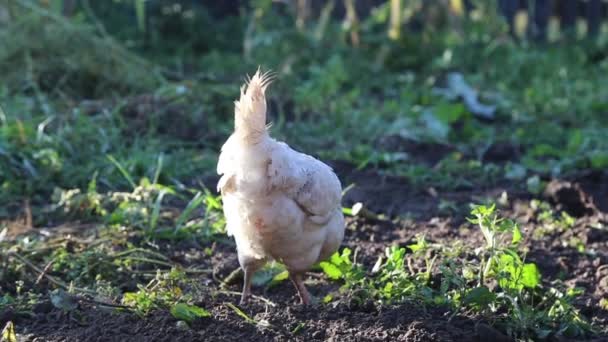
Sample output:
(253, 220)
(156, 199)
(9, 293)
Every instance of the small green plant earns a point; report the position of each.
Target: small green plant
(497, 257)
(393, 283)
(505, 282)
(144, 209)
(340, 266)
(389, 280)
(550, 221)
(188, 313)
(493, 280)
(164, 292)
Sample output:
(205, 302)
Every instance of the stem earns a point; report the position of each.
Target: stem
(152, 261)
(482, 270)
(394, 31)
(142, 250)
(235, 293)
(353, 22)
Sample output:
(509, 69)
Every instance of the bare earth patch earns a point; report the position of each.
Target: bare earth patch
(344, 318)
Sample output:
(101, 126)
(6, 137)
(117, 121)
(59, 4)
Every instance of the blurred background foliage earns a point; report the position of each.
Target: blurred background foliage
(358, 81)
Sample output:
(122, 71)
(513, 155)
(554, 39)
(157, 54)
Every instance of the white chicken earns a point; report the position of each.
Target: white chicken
(279, 203)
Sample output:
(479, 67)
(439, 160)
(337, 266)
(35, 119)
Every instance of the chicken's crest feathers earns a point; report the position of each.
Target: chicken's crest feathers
(250, 108)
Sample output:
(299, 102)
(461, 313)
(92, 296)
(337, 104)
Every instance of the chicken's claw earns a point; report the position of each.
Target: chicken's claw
(305, 297)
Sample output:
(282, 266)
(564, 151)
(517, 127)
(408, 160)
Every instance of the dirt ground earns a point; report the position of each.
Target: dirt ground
(584, 196)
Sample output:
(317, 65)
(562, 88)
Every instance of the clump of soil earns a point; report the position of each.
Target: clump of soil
(570, 198)
(595, 185)
(420, 152)
(502, 152)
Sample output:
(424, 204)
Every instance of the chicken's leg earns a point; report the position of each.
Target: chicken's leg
(246, 293)
(296, 278)
(250, 266)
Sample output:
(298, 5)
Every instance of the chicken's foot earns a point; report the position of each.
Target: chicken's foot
(305, 298)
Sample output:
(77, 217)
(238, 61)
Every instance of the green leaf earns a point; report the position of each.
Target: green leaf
(280, 277)
(530, 276)
(509, 260)
(545, 150)
(298, 328)
(482, 210)
(129, 298)
(507, 270)
(449, 113)
(122, 170)
(599, 160)
(92, 186)
(331, 270)
(346, 252)
(415, 247)
(575, 141)
(479, 296)
(241, 313)
(194, 203)
(347, 211)
(159, 168)
(188, 313)
(213, 202)
(268, 274)
(8, 333)
(576, 291)
(604, 304)
(516, 235)
(336, 259)
(156, 210)
(388, 289)
(420, 244)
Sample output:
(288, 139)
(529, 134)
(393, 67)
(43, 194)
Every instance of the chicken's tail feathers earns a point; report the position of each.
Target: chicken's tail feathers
(250, 109)
(261, 79)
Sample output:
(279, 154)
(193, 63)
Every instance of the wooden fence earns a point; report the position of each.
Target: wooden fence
(539, 11)
(568, 11)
